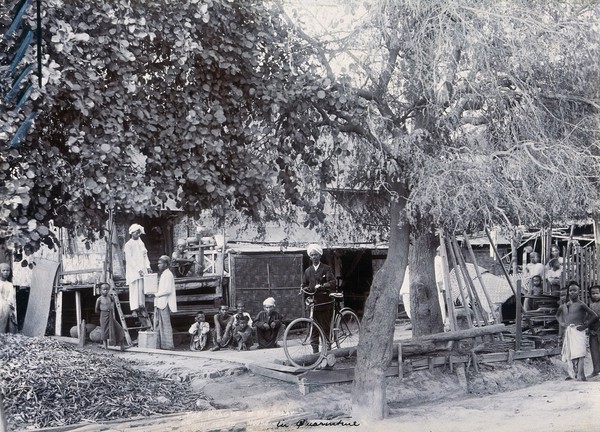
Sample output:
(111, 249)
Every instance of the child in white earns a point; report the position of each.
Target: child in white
(199, 331)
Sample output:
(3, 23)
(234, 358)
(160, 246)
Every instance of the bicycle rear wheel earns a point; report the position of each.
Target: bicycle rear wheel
(347, 327)
(297, 343)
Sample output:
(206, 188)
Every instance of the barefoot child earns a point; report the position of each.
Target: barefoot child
(199, 331)
(242, 334)
(574, 317)
(109, 327)
(594, 330)
(8, 303)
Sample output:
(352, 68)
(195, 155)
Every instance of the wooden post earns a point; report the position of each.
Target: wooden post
(81, 332)
(400, 368)
(58, 322)
(476, 302)
(508, 278)
(514, 259)
(487, 296)
(303, 387)
(3, 421)
(78, 308)
(519, 317)
(447, 285)
(460, 287)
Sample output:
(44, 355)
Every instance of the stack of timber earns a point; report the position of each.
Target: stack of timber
(427, 352)
(539, 324)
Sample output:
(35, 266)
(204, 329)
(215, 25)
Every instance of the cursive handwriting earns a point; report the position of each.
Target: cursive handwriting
(315, 423)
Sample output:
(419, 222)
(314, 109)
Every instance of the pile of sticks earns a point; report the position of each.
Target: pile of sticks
(46, 383)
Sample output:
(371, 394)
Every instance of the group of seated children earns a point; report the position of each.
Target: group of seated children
(238, 331)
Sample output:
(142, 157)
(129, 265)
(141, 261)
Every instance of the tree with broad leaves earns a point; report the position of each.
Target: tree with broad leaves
(464, 114)
(148, 102)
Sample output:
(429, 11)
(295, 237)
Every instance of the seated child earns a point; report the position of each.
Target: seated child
(199, 331)
(234, 320)
(536, 290)
(268, 325)
(221, 334)
(109, 327)
(242, 334)
(180, 260)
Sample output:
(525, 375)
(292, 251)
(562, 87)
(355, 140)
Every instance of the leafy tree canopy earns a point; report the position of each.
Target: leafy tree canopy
(487, 112)
(152, 102)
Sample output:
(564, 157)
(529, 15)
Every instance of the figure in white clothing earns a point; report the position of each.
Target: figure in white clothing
(137, 265)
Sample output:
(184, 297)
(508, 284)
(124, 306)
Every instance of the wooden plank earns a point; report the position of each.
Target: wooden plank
(282, 376)
(439, 361)
(78, 307)
(58, 321)
(508, 278)
(519, 316)
(485, 291)
(197, 297)
(458, 279)
(280, 367)
(333, 376)
(447, 284)
(71, 272)
(458, 335)
(400, 361)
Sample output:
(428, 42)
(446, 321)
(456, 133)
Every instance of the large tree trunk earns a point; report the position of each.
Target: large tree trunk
(426, 316)
(377, 325)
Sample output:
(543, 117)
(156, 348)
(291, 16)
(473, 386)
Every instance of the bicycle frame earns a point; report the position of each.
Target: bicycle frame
(337, 312)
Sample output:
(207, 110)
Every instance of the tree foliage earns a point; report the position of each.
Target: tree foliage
(484, 113)
(152, 102)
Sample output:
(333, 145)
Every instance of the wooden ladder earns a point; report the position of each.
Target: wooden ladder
(145, 321)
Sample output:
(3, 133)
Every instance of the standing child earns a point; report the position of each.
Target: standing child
(574, 317)
(8, 302)
(109, 327)
(535, 267)
(199, 331)
(594, 330)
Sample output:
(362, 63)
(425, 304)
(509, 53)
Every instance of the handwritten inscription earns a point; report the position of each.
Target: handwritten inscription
(305, 423)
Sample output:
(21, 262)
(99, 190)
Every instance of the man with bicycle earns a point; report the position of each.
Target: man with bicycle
(319, 279)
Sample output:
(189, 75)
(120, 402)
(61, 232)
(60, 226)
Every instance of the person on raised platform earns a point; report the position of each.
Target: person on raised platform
(181, 261)
(137, 265)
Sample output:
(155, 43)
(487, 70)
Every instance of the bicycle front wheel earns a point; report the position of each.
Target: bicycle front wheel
(347, 327)
(297, 346)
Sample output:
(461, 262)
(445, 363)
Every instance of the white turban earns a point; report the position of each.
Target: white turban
(181, 242)
(269, 302)
(313, 247)
(133, 228)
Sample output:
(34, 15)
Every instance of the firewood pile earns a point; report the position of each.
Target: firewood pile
(46, 383)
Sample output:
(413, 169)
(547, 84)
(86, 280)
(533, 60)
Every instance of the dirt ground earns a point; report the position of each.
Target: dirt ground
(525, 396)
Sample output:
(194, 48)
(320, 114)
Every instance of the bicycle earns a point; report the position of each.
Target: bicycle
(344, 330)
